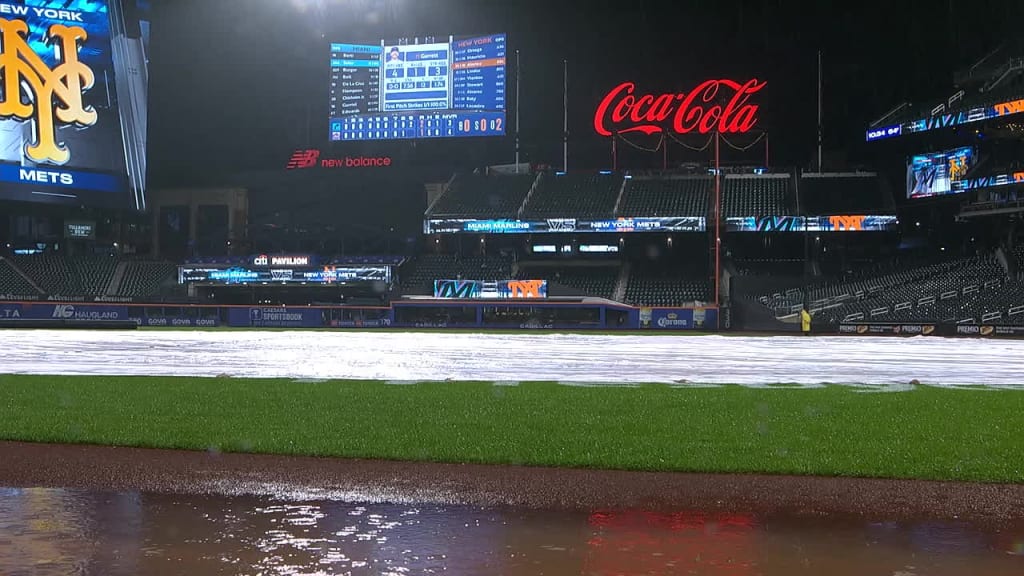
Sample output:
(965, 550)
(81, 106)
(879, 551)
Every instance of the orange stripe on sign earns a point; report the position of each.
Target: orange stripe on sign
(488, 63)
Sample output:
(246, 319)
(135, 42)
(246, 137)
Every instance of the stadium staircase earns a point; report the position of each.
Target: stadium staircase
(115, 280)
(444, 190)
(529, 195)
(618, 200)
(623, 282)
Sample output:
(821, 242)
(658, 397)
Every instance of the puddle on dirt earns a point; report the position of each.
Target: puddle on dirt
(59, 532)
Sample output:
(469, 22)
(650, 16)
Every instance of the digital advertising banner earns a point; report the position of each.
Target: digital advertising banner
(73, 82)
(834, 223)
(947, 120)
(291, 275)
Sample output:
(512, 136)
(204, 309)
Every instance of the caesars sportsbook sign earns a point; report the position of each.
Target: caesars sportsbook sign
(62, 137)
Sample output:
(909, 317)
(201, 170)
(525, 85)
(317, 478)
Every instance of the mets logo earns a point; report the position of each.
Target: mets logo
(34, 92)
(303, 159)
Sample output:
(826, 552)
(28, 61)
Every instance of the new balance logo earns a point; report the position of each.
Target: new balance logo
(303, 159)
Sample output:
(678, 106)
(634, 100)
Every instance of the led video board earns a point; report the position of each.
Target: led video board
(496, 290)
(938, 173)
(418, 88)
(947, 120)
(563, 225)
(73, 103)
(255, 275)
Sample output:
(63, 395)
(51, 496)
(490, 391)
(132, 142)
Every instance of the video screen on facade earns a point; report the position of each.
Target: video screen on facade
(938, 173)
(73, 104)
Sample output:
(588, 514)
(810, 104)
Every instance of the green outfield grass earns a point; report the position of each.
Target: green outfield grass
(928, 433)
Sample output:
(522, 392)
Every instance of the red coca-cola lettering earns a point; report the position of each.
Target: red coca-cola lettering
(622, 111)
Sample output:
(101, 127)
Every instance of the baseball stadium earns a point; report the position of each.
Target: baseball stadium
(406, 287)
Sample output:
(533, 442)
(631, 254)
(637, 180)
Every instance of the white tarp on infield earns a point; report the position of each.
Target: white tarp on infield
(503, 357)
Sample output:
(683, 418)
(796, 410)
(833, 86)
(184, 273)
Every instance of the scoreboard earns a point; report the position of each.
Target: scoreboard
(422, 89)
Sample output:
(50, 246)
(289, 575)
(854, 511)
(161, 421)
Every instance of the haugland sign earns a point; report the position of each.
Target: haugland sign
(700, 110)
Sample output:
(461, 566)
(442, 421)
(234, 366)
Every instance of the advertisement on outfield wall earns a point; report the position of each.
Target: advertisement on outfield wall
(73, 109)
(146, 320)
(62, 312)
(271, 317)
(679, 318)
(931, 330)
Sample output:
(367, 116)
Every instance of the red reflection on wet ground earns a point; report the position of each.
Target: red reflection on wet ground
(643, 542)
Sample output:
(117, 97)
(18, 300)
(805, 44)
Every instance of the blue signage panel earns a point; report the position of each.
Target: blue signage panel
(679, 318)
(62, 312)
(273, 317)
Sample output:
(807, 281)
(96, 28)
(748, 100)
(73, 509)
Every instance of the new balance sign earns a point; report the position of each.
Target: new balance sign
(310, 158)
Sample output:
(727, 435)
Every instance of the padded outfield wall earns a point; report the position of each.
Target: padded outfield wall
(400, 314)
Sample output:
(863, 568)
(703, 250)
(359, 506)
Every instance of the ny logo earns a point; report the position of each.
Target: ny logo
(525, 288)
(303, 159)
(846, 222)
(32, 91)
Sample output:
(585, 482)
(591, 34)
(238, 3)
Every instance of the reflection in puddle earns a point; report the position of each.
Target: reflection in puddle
(60, 532)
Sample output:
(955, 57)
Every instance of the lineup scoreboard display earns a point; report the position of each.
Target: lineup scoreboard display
(398, 90)
(939, 173)
(73, 107)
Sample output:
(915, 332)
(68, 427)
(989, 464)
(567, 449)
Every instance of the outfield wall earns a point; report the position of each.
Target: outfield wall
(400, 314)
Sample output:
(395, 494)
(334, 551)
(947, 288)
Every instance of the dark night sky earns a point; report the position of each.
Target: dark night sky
(232, 81)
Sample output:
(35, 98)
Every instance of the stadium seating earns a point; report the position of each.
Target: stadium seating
(665, 288)
(825, 194)
(146, 278)
(478, 196)
(574, 196)
(418, 275)
(955, 291)
(52, 273)
(757, 195)
(13, 283)
(666, 197)
(94, 273)
(597, 281)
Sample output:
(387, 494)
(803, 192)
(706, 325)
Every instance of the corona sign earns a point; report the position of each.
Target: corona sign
(713, 106)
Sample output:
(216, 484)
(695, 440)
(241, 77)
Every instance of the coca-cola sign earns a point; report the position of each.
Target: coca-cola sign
(700, 110)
